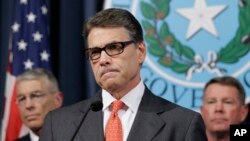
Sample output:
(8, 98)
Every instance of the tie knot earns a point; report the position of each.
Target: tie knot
(117, 105)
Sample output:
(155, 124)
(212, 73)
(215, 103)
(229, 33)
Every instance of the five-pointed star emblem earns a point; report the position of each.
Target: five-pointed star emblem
(15, 27)
(201, 17)
(28, 64)
(31, 17)
(44, 56)
(44, 10)
(22, 45)
(25, 2)
(37, 36)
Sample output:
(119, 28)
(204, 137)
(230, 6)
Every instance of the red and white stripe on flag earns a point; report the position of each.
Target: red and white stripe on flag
(12, 126)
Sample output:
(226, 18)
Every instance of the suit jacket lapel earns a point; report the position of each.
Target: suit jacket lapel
(92, 126)
(147, 121)
(24, 138)
(145, 127)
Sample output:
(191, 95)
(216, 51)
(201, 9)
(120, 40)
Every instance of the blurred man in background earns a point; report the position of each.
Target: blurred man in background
(223, 104)
(37, 94)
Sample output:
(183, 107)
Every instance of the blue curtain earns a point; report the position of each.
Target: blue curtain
(72, 69)
(5, 19)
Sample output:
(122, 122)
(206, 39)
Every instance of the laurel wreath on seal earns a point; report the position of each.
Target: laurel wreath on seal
(180, 58)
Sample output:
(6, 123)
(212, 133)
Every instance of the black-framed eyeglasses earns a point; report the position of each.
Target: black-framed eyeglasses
(111, 49)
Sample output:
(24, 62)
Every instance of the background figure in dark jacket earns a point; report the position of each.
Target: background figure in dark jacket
(37, 94)
(223, 104)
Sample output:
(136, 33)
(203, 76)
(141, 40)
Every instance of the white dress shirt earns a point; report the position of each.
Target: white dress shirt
(33, 136)
(127, 114)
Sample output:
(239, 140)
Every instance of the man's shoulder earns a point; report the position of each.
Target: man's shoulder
(169, 107)
(74, 108)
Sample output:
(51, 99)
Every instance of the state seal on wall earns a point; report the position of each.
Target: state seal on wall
(190, 42)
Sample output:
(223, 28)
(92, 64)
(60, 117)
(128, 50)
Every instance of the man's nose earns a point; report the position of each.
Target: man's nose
(219, 107)
(28, 103)
(104, 57)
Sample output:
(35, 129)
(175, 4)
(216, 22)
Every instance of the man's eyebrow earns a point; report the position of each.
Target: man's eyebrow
(112, 42)
(33, 92)
(36, 91)
(19, 95)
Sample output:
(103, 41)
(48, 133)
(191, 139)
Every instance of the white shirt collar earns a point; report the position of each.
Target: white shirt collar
(131, 99)
(33, 136)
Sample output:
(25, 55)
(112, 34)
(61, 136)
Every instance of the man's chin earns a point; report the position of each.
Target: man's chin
(221, 129)
(34, 125)
(109, 84)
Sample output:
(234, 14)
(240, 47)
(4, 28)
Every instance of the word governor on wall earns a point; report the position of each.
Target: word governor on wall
(240, 132)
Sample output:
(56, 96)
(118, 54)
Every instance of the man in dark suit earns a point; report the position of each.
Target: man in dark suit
(128, 109)
(37, 94)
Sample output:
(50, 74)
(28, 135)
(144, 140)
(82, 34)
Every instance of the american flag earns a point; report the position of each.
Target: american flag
(29, 48)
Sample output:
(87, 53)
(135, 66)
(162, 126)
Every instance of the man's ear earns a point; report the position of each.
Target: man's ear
(201, 110)
(141, 51)
(244, 112)
(58, 99)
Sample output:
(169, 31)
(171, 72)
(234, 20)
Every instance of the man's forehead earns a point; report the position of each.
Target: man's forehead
(221, 96)
(112, 34)
(30, 86)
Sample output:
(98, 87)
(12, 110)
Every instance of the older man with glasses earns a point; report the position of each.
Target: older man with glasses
(37, 94)
(124, 109)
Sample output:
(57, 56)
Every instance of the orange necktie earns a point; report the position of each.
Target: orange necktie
(114, 125)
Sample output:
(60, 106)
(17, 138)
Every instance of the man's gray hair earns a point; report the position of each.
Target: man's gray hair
(39, 74)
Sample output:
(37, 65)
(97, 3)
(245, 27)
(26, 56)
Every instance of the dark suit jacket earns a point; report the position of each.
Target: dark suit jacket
(157, 120)
(24, 138)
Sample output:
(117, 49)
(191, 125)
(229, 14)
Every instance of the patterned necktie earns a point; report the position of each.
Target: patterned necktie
(114, 125)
